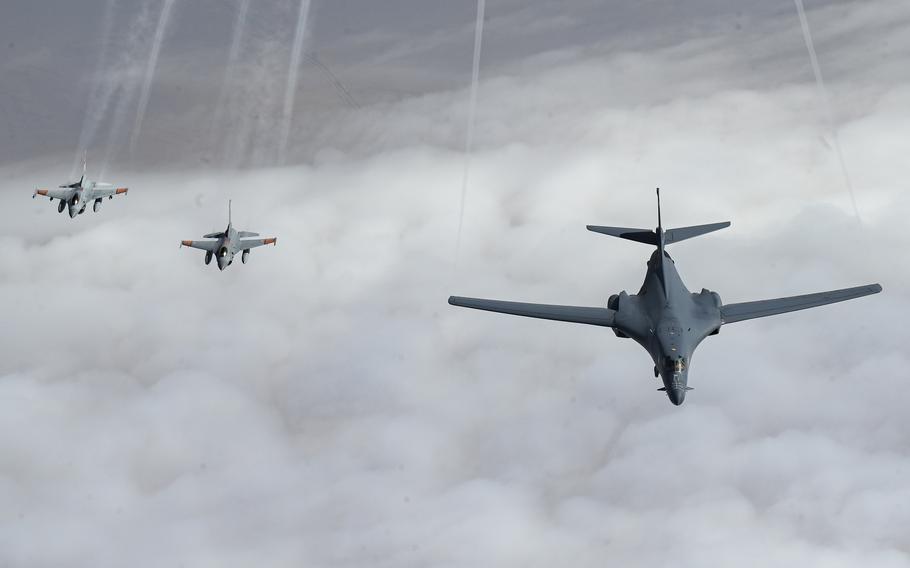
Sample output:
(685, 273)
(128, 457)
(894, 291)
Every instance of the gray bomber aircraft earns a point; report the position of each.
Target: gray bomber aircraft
(77, 195)
(228, 243)
(664, 317)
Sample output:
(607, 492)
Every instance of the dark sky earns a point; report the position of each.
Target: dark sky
(379, 52)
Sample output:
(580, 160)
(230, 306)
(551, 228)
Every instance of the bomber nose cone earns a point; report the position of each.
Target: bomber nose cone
(677, 395)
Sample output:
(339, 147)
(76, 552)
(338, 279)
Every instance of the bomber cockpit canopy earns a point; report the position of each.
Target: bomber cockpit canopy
(676, 365)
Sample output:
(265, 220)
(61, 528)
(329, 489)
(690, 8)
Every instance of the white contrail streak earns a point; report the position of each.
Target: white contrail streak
(150, 71)
(826, 103)
(243, 7)
(472, 112)
(291, 89)
(119, 117)
(101, 91)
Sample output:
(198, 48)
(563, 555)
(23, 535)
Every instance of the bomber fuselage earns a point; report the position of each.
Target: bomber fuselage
(668, 321)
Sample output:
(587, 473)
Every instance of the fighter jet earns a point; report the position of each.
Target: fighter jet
(76, 196)
(664, 317)
(228, 243)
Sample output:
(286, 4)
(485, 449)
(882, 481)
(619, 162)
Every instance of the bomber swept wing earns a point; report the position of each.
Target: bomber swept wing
(731, 313)
(574, 314)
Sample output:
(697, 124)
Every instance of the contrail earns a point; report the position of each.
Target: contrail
(472, 111)
(823, 94)
(150, 71)
(243, 7)
(343, 92)
(291, 89)
(101, 91)
(119, 117)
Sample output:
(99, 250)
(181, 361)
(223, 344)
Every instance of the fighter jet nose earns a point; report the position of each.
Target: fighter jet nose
(677, 396)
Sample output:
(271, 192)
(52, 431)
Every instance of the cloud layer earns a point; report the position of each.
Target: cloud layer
(324, 406)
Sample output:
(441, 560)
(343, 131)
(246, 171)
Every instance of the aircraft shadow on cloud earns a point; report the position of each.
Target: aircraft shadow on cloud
(664, 317)
(227, 244)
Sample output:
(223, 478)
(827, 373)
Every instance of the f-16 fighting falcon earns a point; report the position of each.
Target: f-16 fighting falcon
(664, 317)
(228, 243)
(76, 196)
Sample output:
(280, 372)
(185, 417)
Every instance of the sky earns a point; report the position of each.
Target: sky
(323, 405)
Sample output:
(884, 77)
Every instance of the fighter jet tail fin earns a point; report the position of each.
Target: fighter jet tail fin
(683, 233)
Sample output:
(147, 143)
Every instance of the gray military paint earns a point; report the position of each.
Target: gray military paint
(227, 244)
(664, 317)
(76, 196)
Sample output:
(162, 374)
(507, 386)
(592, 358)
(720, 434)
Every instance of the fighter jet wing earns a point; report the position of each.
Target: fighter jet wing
(63, 194)
(106, 190)
(731, 313)
(591, 316)
(202, 245)
(246, 244)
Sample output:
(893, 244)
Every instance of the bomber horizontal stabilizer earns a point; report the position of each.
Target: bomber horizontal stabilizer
(645, 236)
(649, 237)
(683, 233)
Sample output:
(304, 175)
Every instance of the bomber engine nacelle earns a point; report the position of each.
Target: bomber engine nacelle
(97, 205)
(246, 254)
(715, 297)
(614, 304)
(208, 257)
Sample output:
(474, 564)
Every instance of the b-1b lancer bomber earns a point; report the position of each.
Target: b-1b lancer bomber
(664, 317)
(76, 196)
(228, 243)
